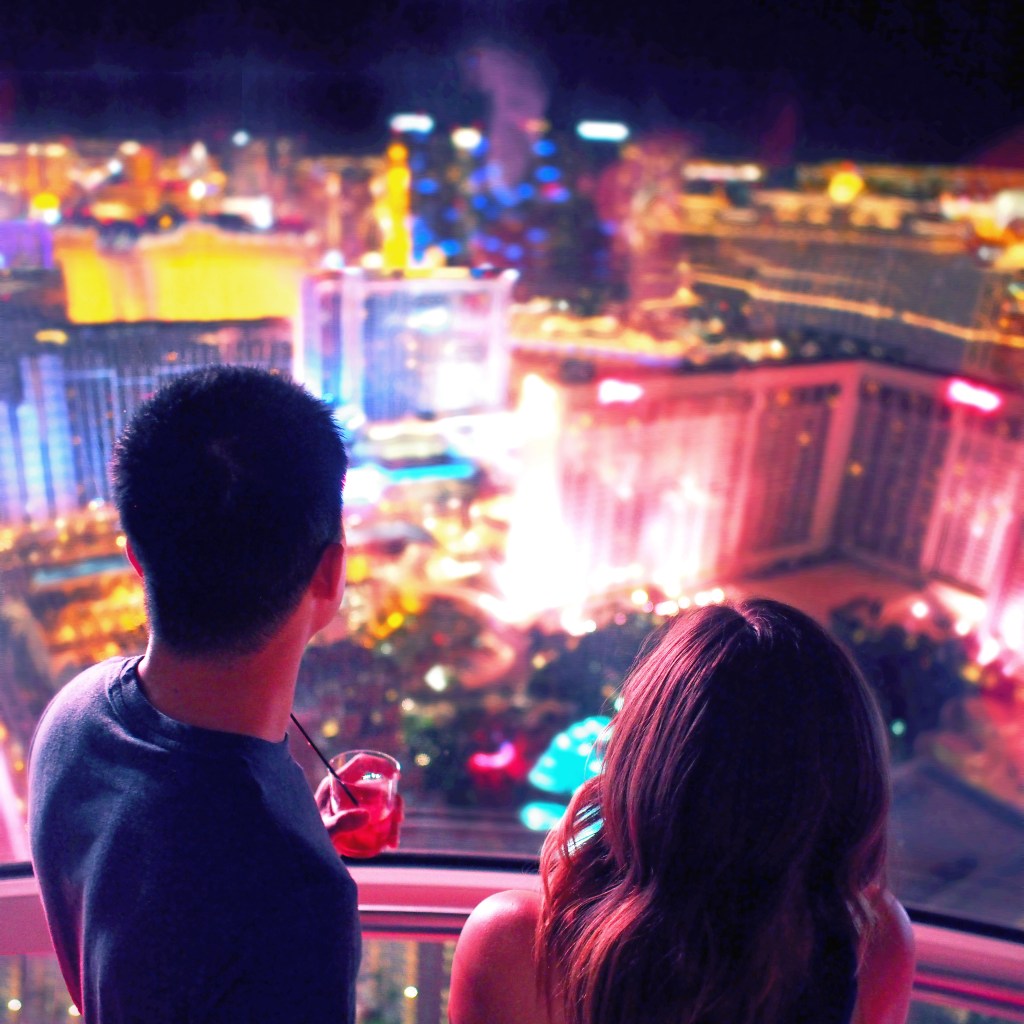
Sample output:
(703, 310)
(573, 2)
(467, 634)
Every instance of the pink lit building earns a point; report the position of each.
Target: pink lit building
(679, 481)
(674, 480)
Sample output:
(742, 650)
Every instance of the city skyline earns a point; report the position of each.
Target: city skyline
(585, 392)
(772, 345)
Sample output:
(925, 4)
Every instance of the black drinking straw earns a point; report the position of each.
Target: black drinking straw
(327, 764)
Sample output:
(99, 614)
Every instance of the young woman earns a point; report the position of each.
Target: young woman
(728, 864)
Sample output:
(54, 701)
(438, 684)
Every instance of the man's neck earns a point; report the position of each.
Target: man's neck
(249, 694)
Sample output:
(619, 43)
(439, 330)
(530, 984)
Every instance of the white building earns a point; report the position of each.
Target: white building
(414, 343)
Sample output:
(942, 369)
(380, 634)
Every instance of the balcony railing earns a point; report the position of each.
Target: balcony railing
(960, 964)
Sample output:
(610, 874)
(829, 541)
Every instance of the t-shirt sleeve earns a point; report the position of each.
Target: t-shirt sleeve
(296, 962)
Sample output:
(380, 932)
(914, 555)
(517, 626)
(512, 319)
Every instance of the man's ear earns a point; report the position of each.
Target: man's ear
(329, 578)
(133, 558)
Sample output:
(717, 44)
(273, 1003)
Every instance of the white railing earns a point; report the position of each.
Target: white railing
(983, 973)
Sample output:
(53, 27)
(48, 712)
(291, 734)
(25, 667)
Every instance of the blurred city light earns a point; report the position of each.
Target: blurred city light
(364, 485)
(413, 124)
(436, 678)
(45, 206)
(962, 392)
(466, 138)
(602, 131)
(1011, 626)
(845, 186)
(501, 758)
(610, 391)
(541, 815)
(990, 650)
(567, 763)
(703, 171)
(429, 318)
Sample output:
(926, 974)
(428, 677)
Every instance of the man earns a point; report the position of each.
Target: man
(184, 868)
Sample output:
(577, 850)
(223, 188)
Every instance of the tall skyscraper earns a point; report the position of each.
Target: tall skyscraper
(893, 468)
(933, 480)
(415, 343)
(677, 479)
(65, 396)
(37, 479)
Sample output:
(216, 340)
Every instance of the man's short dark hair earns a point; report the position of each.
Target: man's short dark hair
(228, 482)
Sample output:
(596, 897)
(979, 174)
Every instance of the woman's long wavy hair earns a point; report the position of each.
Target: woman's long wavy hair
(742, 809)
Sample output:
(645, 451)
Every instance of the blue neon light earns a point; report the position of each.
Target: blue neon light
(457, 470)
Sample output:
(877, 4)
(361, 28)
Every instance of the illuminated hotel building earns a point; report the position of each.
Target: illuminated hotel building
(66, 398)
(675, 479)
(679, 481)
(933, 481)
(894, 468)
(925, 309)
(878, 275)
(30, 168)
(197, 272)
(404, 344)
(37, 479)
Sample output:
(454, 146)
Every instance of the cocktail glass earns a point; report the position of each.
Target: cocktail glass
(370, 778)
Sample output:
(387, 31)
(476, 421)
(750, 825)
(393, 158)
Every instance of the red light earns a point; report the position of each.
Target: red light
(502, 758)
(962, 392)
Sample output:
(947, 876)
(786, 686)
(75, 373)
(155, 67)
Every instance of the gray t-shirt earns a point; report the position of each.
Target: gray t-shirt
(185, 873)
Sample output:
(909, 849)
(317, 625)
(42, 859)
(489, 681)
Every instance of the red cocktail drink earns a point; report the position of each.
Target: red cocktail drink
(372, 779)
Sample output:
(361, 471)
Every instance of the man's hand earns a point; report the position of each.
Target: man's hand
(341, 818)
(347, 819)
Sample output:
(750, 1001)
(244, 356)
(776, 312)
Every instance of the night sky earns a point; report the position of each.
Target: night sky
(871, 79)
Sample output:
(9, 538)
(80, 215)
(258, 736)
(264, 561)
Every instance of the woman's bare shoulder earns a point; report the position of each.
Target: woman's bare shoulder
(494, 976)
(502, 925)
